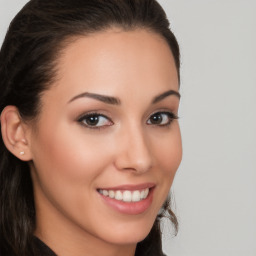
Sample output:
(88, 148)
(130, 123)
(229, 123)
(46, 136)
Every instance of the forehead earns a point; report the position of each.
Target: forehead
(109, 62)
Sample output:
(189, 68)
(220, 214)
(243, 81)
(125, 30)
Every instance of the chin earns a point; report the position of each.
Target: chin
(129, 234)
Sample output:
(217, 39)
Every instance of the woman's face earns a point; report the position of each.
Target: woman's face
(106, 145)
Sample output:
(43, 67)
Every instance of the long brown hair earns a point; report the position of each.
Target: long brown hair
(28, 59)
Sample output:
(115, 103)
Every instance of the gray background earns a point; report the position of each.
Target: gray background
(215, 187)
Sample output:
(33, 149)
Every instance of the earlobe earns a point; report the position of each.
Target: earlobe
(14, 133)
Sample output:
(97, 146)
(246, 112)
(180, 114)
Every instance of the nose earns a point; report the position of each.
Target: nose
(133, 152)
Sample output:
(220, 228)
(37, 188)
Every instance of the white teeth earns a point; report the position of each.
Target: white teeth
(111, 193)
(136, 196)
(146, 193)
(105, 192)
(142, 193)
(118, 195)
(127, 195)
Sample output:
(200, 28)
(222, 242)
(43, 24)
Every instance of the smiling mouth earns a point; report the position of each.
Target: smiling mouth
(126, 196)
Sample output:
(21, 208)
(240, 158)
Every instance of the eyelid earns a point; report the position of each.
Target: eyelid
(164, 111)
(171, 115)
(94, 113)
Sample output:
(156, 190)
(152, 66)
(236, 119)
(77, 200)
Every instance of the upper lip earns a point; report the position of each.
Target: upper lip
(131, 187)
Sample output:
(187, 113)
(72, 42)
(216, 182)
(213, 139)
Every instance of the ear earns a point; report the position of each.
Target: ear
(14, 132)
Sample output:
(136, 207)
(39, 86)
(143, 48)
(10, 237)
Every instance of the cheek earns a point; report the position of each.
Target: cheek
(169, 152)
(168, 155)
(66, 170)
(66, 157)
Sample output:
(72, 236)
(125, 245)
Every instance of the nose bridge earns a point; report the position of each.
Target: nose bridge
(135, 153)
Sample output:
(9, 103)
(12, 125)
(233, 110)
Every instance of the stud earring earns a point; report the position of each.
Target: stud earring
(22, 153)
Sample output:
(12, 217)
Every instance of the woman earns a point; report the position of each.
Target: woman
(90, 141)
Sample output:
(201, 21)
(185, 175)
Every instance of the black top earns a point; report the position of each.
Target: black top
(42, 249)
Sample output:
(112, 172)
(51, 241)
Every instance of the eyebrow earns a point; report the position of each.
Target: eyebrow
(164, 95)
(116, 101)
(103, 98)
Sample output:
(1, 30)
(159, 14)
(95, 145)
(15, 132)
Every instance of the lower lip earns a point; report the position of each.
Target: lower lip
(132, 208)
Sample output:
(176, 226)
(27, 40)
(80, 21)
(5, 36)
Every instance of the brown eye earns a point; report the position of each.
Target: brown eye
(92, 120)
(161, 118)
(95, 120)
(156, 118)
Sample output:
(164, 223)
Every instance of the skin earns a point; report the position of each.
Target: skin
(70, 161)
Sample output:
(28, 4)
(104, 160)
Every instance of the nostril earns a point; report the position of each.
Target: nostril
(134, 152)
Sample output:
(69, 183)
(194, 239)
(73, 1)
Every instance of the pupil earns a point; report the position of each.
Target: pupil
(156, 119)
(93, 120)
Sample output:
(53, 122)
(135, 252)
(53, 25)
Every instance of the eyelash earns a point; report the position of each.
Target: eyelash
(170, 115)
(83, 120)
